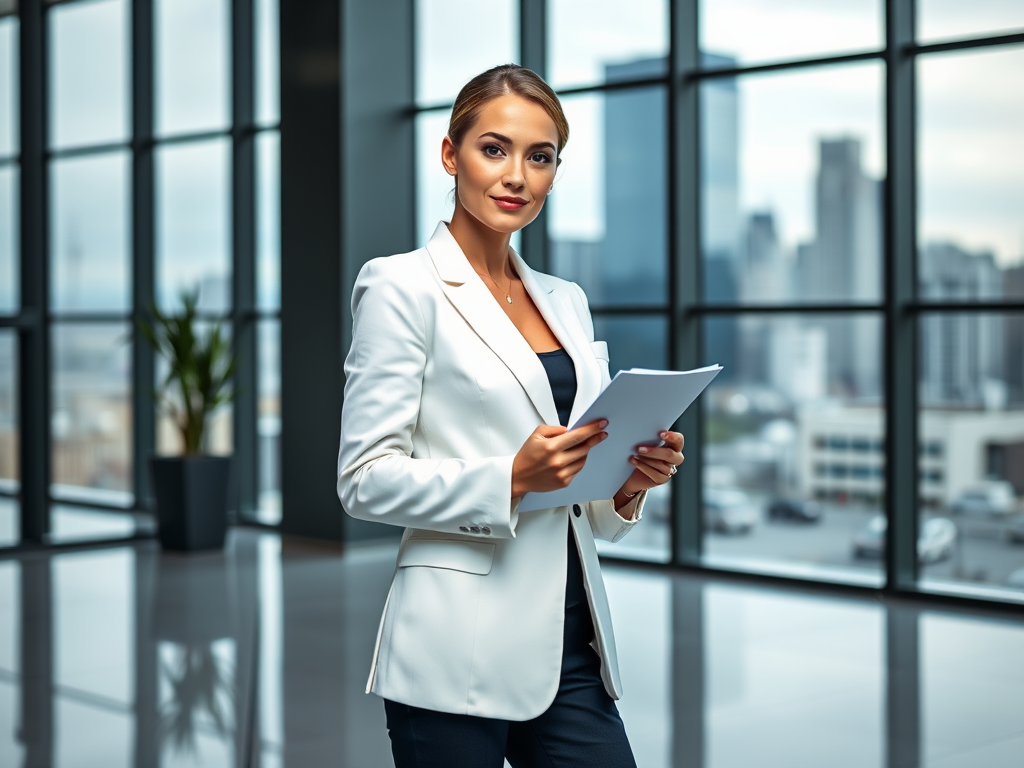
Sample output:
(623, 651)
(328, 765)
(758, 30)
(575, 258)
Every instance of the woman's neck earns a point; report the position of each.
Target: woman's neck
(486, 249)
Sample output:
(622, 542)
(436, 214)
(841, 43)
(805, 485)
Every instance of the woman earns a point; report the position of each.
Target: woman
(465, 368)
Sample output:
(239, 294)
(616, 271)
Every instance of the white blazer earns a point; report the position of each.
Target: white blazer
(442, 391)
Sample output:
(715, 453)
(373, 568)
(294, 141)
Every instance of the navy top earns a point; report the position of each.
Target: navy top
(579, 627)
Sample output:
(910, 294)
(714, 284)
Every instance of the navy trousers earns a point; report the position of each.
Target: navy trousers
(581, 728)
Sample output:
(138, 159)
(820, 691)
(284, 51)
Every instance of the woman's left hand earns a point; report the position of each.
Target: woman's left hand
(655, 465)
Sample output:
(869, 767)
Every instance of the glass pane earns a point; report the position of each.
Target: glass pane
(738, 32)
(793, 447)
(89, 236)
(639, 342)
(954, 19)
(192, 65)
(970, 174)
(10, 623)
(91, 417)
(971, 450)
(608, 209)
(606, 41)
(218, 435)
(10, 521)
(268, 220)
(9, 472)
(89, 44)
(487, 35)
(435, 189)
(792, 171)
(269, 425)
(9, 106)
(10, 275)
(193, 243)
(268, 62)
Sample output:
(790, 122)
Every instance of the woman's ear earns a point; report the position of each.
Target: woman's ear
(448, 154)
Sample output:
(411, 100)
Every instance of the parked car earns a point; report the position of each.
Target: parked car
(801, 510)
(935, 540)
(994, 497)
(1015, 531)
(1016, 579)
(729, 510)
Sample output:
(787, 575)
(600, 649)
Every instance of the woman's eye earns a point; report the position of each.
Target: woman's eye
(493, 150)
(540, 157)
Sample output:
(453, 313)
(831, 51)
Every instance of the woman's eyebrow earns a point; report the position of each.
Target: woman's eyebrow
(507, 140)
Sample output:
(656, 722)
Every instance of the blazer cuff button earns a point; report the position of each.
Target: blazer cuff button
(474, 528)
(464, 529)
(485, 531)
(576, 510)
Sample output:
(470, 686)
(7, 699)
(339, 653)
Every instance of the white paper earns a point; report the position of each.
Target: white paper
(638, 404)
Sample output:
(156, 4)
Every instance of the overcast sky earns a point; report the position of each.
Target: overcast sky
(971, 117)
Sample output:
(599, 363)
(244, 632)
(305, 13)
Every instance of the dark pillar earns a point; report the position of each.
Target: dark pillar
(346, 197)
(533, 55)
(311, 286)
(378, 158)
(34, 349)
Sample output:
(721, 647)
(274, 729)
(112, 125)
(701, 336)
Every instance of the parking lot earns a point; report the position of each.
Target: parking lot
(982, 553)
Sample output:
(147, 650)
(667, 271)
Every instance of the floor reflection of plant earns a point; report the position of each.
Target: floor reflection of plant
(201, 683)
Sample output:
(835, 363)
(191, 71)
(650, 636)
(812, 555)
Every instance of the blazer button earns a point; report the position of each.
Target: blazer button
(474, 529)
(464, 529)
(485, 531)
(576, 510)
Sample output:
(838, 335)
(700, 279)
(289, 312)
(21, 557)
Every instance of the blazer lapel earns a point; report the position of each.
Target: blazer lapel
(468, 294)
(557, 309)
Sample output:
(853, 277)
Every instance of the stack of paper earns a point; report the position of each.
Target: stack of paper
(638, 404)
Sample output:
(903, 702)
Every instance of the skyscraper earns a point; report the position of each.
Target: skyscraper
(961, 355)
(844, 263)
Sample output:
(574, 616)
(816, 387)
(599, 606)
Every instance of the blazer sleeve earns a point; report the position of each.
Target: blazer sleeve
(607, 523)
(378, 477)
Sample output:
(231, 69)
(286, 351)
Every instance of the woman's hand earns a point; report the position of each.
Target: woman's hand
(551, 457)
(655, 465)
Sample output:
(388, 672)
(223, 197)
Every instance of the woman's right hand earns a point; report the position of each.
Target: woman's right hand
(551, 456)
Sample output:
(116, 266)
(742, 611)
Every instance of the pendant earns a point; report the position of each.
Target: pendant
(508, 299)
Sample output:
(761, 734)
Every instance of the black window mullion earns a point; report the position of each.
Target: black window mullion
(143, 244)
(684, 267)
(243, 271)
(533, 54)
(901, 350)
(34, 352)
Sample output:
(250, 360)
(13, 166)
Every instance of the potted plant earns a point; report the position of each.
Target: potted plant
(190, 490)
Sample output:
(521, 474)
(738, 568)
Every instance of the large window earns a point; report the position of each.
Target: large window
(801, 190)
(161, 174)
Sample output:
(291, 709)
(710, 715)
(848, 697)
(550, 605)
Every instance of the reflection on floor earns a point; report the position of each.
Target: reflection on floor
(257, 657)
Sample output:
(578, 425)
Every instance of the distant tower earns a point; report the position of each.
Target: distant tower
(635, 249)
(962, 356)
(844, 263)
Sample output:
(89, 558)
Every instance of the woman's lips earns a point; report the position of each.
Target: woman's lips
(510, 203)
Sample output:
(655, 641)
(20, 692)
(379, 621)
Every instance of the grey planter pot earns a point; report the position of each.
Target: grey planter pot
(191, 494)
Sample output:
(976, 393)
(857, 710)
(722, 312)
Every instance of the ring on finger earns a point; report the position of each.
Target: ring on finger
(672, 470)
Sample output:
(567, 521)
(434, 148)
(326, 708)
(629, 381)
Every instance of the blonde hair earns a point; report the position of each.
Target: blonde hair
(500, 81)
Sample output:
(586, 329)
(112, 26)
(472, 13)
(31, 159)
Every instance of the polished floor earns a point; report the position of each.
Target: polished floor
(257, 657)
